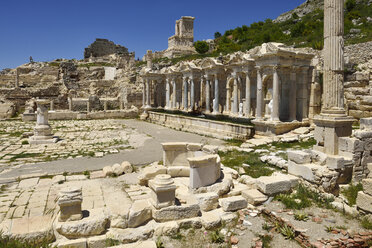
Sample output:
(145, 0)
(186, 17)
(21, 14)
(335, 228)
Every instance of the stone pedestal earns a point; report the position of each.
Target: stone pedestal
(42, 130)
(204, 170)
(163, 191)
(328, 130)
(69, 202)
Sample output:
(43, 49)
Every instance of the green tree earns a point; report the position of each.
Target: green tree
(350, 5)
(201, 47)
(217, 35)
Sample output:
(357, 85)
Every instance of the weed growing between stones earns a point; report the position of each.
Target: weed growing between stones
(287, 232)
(366, 223)
(302, 198)
(235, 159)
(7, 242)
(216, 236)
(351, 193)
(300, 216)
(159, 243)
(112, 242)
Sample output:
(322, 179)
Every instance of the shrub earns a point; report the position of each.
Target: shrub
(201, 47)
(351, 193)
(350, 5)
(217, 35)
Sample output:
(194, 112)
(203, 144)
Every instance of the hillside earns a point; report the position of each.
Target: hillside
(301, 27)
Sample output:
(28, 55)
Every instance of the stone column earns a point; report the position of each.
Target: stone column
(167, 94)
(52, 105)
(192, 94)
(70, 103)
(185, 93)
(305, 83)
(174, 94)
(148, 93)
(235, 92)
(332, 123)
(201, 91)
(69, 201)
(333, 77)
(216, 95)
(228, 98)
(247, 95)
(88, 106)
(17, 78)
(144, 95)
(276, 95)
(105, 105)
(293, 96)
(207, 95)
(259, 105)
(42, 130)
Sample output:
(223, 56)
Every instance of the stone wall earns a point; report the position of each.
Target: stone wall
(102, 47)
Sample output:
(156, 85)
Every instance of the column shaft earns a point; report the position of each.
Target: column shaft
(276, 96)
(259, 98)
(247, 95)
(293, 97)
(192, 94)
(216, 95)
(174, 105)
(185, 94)
(167, 92)
(235, 104)
(207, 95)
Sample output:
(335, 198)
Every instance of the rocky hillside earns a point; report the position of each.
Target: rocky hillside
(302, 10)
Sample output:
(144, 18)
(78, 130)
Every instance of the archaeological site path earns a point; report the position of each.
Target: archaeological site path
(150, 151)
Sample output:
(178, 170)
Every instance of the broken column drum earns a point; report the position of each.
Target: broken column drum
(163, 191)
(69, 202)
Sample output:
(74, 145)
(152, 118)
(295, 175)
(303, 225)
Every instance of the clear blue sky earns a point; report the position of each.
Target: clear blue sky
(50, 29)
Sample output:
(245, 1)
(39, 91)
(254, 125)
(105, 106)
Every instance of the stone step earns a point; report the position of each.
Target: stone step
(306, 171)
(277, 183)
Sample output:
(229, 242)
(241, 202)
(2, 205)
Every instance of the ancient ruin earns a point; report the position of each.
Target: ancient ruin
(266, 147)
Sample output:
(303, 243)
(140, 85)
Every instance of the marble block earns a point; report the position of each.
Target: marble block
(163, 191)
(69, 201)
(204, 170)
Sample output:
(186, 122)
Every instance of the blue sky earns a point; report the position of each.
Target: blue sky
(50, 29)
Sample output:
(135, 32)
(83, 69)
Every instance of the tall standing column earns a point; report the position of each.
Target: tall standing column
(185, 94)
(216, 95)
(207, 95)
(192, 93)
(259, 98)
(235, 103)
(247, 95)
(167, 94)
(276, 95)
(148, 93)
(228, 98)
(305, 83)
(174, 105)
(333, 77)
(293, 96)
(201, 91)
(144, 95)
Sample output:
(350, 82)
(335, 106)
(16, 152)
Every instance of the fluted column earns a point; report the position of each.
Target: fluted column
(333, 91)
(207, 95)
(293, 96)
(216, 95)
(305, 83)
(167, 94)
(144, 95)
(259, 98)
(148, 93)
(185, 93)
(192, 93)
(228, 98)
(247, 95)
(235, 92)
(276, 95)
(174, 105)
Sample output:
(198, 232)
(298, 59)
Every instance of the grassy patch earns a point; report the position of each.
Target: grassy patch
(235, 159)
(6, 242)
(351, 192)
(234, 142)
(302, 198)
(25, 155)
(366, 223)
(288, 145)
(216, 236)
(301, 216)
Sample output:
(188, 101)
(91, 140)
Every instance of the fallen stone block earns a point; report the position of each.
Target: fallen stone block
(207, 201)
(167, 228)
(299, 157)
(275, 184)
(139, 213)
(335, 162)
(254, 197)
(211, 220)
(367, 186)
(190, 223)
(131, 235)
(306, 171)
(138, 244)
(364, 202)
(176, 213)
(233, 203)
(94, 224)
(76, 243)
(117, 169)
(97, 241)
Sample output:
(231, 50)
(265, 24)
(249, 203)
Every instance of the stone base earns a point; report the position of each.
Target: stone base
(271, 128)
(329, 129)
(38, 140)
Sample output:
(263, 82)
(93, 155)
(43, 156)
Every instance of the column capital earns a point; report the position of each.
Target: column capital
(305, 69)
(258, 68)
(275, 68)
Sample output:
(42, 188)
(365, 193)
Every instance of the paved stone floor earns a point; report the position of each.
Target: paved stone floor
(85, 145)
